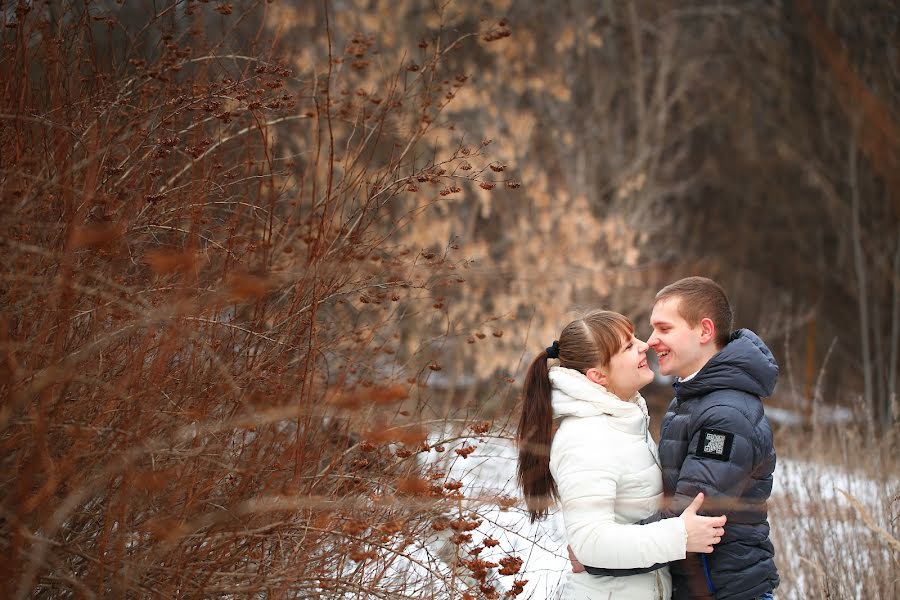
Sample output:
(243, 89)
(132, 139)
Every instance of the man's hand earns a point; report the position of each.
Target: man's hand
(577, 567)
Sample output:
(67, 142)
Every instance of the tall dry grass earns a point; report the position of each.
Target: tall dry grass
(835, 516)
(206, 390)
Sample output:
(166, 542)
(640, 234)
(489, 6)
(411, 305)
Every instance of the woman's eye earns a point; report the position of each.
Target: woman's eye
(628, 347)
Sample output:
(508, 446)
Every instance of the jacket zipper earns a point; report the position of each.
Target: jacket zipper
(709, 582)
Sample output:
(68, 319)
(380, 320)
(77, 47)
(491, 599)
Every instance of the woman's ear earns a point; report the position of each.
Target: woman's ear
(597, 376)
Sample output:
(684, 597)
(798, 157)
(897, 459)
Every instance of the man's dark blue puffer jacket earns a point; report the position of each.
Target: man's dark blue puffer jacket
(715, 439)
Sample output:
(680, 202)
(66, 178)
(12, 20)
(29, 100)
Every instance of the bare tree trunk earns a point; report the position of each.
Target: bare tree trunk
(862, 288)
(894, 340)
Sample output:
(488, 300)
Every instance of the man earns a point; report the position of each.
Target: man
(715, 439)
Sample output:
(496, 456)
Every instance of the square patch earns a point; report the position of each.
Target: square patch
(715, 443)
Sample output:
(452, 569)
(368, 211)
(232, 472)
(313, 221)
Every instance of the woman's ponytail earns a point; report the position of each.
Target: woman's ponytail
(534, 436)
(584, 343)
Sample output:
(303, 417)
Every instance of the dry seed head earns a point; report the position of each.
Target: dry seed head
(409, 436)
(167, 261)
(97, 236)
(354, 526)
(482, 427)
(412, 486)
(465, 451)
(165, 528)
(360, 555)
(246, 286)
(460, 538)
(391, 527)
(506, 502)
(152, 480)
(511, 565)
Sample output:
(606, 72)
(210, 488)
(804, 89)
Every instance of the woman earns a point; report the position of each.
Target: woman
(602, 465)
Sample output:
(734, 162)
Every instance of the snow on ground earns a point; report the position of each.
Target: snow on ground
(806, 481)
(491, 472)
(800, 490)
(816, 528)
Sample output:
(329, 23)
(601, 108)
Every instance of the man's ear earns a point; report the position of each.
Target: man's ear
(707, 331)
(597, 376)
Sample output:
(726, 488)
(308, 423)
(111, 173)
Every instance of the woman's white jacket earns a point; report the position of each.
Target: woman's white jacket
(607, 474)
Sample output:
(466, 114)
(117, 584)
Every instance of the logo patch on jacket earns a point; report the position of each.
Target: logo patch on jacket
(715, 443)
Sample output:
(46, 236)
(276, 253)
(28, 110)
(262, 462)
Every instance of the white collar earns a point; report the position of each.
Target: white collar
(575, 395)
(689, 377)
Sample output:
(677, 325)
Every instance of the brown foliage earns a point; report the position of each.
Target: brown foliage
(192, 403)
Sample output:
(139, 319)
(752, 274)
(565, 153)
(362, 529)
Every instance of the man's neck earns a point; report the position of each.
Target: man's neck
(698, 366)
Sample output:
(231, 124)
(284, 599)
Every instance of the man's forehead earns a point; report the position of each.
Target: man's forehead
(665, 311)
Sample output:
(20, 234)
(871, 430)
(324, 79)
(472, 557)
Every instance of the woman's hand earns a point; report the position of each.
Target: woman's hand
(577, 567)
(703, 532)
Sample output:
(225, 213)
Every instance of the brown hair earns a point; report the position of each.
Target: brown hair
(585, 343)
(702, 298)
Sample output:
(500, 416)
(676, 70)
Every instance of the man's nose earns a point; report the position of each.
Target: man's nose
(653, 341)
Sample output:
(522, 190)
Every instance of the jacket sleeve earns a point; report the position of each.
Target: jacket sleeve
(586, 479)
(719, 462)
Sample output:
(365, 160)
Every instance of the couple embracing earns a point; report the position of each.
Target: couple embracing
(630, 510)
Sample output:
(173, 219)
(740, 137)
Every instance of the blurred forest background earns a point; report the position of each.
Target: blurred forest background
(270, 264)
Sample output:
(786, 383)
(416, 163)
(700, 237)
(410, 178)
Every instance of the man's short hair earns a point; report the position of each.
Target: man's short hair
(702, 298)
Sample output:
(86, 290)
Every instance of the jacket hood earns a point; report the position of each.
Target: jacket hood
(575, 395)
(744, 364)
